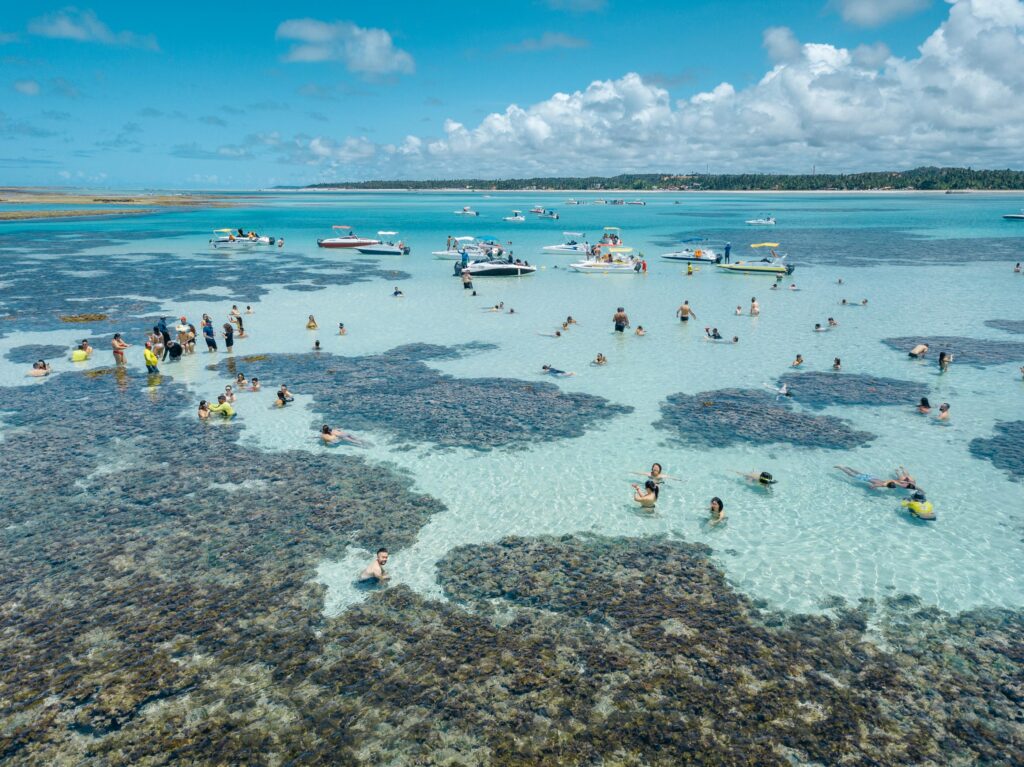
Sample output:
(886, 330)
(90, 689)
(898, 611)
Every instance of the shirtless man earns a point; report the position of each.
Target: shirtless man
(375, 570)
(755, 308)
(621, 320)
(118, 346)
(183, 331)
(918, 351)
(684, 312)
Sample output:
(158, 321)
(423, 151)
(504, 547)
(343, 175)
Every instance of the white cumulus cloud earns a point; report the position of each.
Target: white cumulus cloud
(874, 13)
(83, 26)
(363, 50)
(957, 101)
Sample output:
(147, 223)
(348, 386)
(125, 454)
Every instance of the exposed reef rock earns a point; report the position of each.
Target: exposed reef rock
(1010, 326)
(736, 416)
(969, 351)
(1005, 450)
(397, 393)
(819, 390)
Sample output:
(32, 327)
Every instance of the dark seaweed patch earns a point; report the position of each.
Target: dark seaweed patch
(970, 351)
(28, 353)
(736, 416)
(818, 390)
(1005, 450)
(397, 393)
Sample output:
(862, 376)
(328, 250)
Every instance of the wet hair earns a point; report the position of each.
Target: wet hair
(221, 397)
(660, 468)
(716, 499)
(944, 406)
(918, 496)
(620, 309)
(924, 403)
(117, 335)
(228, 328)
(766, 478)
(382, 551)
(325, 429)
(653, 487)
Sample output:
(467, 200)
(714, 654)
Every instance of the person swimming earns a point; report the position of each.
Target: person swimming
(640, 330)
(204, 410)
(924, 407)
(397, 293)
(819, 329)
(761, 478)
(311, 323)
(39, 368)
(341, 329)
(647, 496)
(223, 407)
(944, 360)
(713, 334)
(717, 509)
(837, 364)
(551, 371)
(331, 436)
(600, 360)
(873, 482)
(832, 322)
(798, 361)
(943, 412)
(656, 474)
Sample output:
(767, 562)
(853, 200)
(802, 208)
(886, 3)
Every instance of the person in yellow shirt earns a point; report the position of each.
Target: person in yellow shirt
(151, 360)
(223, 407)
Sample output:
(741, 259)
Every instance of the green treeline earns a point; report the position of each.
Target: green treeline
(918, 178)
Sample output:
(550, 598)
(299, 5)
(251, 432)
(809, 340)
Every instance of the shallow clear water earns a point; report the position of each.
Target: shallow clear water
(929, 265)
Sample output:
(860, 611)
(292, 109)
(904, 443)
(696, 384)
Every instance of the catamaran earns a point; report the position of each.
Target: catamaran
(773, 264)
(345, 238)
(390, 248)
(236, 238)
(575, 242)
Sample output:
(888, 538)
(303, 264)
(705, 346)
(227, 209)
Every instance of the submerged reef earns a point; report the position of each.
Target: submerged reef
(157, 608)
(970, 351)
(1005, 450)
(398, 393)
(29, 353)
(46, 270)
(737, 416)
(1010, 326)
(819, 390)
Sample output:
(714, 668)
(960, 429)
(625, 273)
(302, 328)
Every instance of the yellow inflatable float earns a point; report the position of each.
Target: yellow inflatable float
(919, 506)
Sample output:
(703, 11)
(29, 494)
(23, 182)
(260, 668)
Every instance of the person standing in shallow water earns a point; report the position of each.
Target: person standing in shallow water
(118, 346)
(229, 336)
(620, 320)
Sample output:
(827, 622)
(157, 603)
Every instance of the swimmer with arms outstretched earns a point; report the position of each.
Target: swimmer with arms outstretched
(333, 436)
(874, 483)
(646, 496)
(656, 474)
(550, 371)
(375, 570)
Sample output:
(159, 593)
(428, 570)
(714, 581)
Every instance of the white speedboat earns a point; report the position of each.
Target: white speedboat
(517, 215)
(600, 202)
(766, 221)
(548, 214)
(390, 248)
(575, 242)
(773, 264)
(495, 267)
(1015, 216)
(537, 209)
(466, 211)
(346, 238)
(572, 201)
(693, 252)
(613, 261)
(456, 247)
(636, 202)
(236, 238)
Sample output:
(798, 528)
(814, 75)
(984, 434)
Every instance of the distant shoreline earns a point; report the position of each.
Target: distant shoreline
(625, 193)
(112, 204)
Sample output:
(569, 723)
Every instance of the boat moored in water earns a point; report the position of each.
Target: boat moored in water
(466, 211)
(346, 238)
(548, 214)
(766, 221)
(773, 264)
(517, 215)
(237, 238)
(493, 266)
(389, 248)
(693, 252)
(1014, 216)
(611, 260)
(575, 242)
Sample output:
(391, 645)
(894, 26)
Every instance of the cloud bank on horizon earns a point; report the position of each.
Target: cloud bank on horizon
(307, 99)
(958, 102)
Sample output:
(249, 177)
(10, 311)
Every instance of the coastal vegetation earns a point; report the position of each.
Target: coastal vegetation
(925, 179)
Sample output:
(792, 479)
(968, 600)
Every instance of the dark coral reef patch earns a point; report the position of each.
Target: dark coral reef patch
(735, 416)
(1005, 450)
(970, 351)
(1010, 326)
(28, 353)
(818, 389)
(398, 393)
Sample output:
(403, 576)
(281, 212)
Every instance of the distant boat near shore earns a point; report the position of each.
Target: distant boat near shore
(1015, 216)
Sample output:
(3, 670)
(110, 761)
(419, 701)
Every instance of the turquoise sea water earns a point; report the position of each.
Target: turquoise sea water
(929, 265)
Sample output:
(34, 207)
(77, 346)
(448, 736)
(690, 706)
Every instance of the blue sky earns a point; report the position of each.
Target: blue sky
(251, 95)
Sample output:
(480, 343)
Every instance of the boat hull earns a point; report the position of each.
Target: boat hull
(756, 268)
(503, 270)
(346, 242)
(1014, 216)
(241, 242)
(590, 267)
(384, 250)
